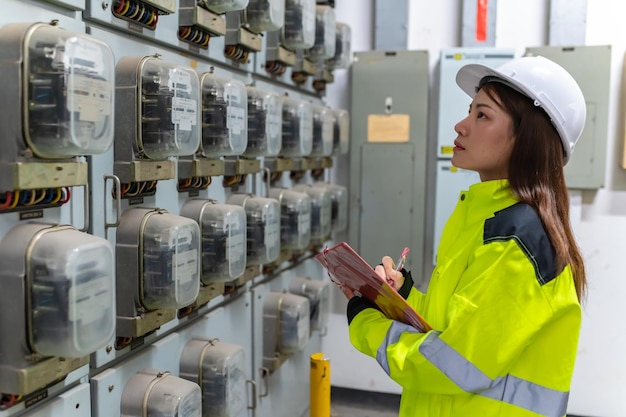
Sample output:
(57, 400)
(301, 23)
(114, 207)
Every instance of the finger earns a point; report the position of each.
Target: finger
(380, 270)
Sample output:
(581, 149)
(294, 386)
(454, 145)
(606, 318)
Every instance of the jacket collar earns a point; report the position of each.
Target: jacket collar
(483, 199)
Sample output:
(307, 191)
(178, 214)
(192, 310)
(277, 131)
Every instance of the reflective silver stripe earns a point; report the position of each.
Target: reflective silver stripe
(392, 337)
(508, 389)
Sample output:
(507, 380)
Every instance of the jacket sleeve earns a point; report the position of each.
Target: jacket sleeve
(492, 316)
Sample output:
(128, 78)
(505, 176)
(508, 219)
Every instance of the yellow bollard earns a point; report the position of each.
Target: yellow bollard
(320, 386)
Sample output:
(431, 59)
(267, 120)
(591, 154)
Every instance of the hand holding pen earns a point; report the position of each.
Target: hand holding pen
(399, 265)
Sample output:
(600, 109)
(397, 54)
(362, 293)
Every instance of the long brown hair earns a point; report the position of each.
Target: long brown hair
(536, 173)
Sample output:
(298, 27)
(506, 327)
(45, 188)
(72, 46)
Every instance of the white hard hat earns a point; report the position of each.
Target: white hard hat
(547, 83)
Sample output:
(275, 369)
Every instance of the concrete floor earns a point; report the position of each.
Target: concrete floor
(353, 403)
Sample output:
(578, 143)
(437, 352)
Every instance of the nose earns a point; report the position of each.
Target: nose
(460, 128)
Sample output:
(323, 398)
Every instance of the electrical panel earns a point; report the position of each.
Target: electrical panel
(453, 102)
(295, 218)
(151, 392)
(586, 168)
(321, 210)
(263, 223)
(318, 294)
(224, 116)
(223, 235)
(297, 128)
(219, 369)
(265, 112)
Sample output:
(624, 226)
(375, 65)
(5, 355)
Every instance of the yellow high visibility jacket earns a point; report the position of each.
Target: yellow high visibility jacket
(505, 320)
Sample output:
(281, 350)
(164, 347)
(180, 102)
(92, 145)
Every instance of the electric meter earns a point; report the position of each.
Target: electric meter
(61, 86)
(323, 129)
(341, 132)
(223, 6)
(224, 116)
(320, 212)
(318, 294)
(343, 49)
(263, 223)
(158, 259)
(295, 218)
(63, 280)
(264, 123)
(219, 369)
(339, 205)
(223, 234)
(297, 127)
(299, 28)
(151, 392)
(156, 107)
(286, 323)
(265, 15)
(325, 34)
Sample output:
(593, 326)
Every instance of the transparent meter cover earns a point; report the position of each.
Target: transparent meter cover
(223, 231)
(323, 129)
(341, 132)
(294, 323)
(224, 116)
(325, 34)
(320, 211)
(318, 294)
(265, 15)
(297, 127)
(295, 218)
(69, 83)
(223, 6)
(160, 394)
(263, 221)
(170, 261)
(170, 114)
(71, 278)
(264, 123)
(299, 28)
(343, 48)
(222, 372)
(339, 205)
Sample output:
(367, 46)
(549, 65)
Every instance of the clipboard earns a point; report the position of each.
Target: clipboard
(346, 266)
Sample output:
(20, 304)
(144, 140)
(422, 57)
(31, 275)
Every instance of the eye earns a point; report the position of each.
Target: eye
(480, 115)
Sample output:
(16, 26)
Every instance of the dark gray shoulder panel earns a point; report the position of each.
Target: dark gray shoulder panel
(521, 223)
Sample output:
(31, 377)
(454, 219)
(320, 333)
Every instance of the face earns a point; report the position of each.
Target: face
(484, 139)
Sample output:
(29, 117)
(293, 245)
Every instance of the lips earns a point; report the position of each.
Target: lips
(457, 145)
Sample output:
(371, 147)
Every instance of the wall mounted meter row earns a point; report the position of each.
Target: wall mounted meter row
(157, 267)
(64, 84)
(223, 234)
(263, 227)
(295, 218)
(58, 299)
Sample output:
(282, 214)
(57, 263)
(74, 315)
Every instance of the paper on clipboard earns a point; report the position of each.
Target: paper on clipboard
(346, 266)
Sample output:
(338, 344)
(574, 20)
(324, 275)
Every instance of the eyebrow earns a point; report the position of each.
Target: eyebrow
(478, 105)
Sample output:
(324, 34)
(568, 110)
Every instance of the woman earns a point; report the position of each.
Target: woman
(504, 298)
